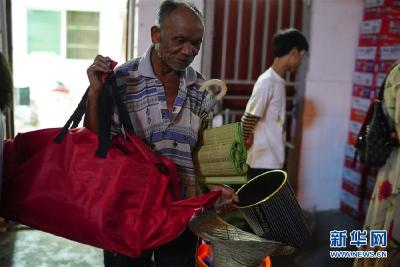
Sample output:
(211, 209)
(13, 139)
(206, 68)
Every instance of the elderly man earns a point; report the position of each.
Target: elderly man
(167, 110)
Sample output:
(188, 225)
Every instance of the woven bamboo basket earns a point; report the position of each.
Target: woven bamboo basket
(220, 135)
(269, 206)
(233, 247)
(222, 153)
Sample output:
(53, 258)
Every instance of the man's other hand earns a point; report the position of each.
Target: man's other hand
(249, 141)
(228, 199)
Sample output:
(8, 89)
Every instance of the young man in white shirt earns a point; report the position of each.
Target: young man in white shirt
(264, 119)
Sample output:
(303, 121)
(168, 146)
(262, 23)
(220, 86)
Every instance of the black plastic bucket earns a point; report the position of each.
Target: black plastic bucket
(269, 206)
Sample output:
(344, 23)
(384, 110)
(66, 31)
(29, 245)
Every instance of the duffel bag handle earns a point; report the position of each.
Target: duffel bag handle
(123, 113)
(107, 95)
(135, 141)
(75, 118)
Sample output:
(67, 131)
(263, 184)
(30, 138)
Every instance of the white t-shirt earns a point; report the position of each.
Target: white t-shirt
(268, 101)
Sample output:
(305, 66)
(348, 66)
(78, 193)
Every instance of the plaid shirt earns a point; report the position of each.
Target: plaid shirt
(144, 97)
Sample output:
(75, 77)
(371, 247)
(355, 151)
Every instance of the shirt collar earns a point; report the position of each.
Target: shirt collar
(276, 76)
(189, 75)
(145, 67)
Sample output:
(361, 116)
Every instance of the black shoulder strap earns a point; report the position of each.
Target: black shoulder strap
(104, 115)
(363, 128)
(123, 113)
(75, 118)
(108, 97)
(381, 90)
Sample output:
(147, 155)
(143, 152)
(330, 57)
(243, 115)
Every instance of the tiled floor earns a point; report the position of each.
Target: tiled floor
(317, 255)
(24, 247)
(30, 248)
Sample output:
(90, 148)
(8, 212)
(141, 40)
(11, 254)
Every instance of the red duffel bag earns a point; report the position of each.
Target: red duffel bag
(126, 199)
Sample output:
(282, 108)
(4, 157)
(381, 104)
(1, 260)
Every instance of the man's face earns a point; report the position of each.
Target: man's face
(296, 59)
(179, 39)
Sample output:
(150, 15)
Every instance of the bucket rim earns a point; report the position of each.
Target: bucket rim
(268, 197)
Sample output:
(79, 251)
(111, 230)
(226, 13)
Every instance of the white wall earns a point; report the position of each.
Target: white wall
(333, 41)
(111, 26)
(41, 70)
(147, 16)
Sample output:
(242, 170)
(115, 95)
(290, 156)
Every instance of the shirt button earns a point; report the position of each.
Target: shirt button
(175, 144)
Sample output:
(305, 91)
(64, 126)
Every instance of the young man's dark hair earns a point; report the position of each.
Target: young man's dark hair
(170, 5)
(284, 41)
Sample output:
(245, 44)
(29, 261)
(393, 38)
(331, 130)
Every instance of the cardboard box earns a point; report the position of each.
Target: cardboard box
(380, 3)
(348, 163)
(373, 26)
(364, 65)
(354, 130)
(352, 139)
(355, 127)
(355, 191)
(352, 169)
(379, 78)
(367, 53)
(363, 91)
(389, 53)
(363, 78)
(377, 12)
(384, 66)
(350, 200)
(368, 79)
(358, 115)
(351, 175)
(384, 26)
(378, 40)
(349, 151)
(373, 66)
(353, 205)
(360, 103)
(350, 187)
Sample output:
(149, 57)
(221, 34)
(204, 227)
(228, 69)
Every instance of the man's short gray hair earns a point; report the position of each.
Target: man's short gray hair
(168, 6)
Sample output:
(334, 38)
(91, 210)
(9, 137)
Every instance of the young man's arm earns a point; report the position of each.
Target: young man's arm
(255, 109)
(249, 123)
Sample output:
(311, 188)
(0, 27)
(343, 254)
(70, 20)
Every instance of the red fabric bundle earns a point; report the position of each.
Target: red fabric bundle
(126, 202)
